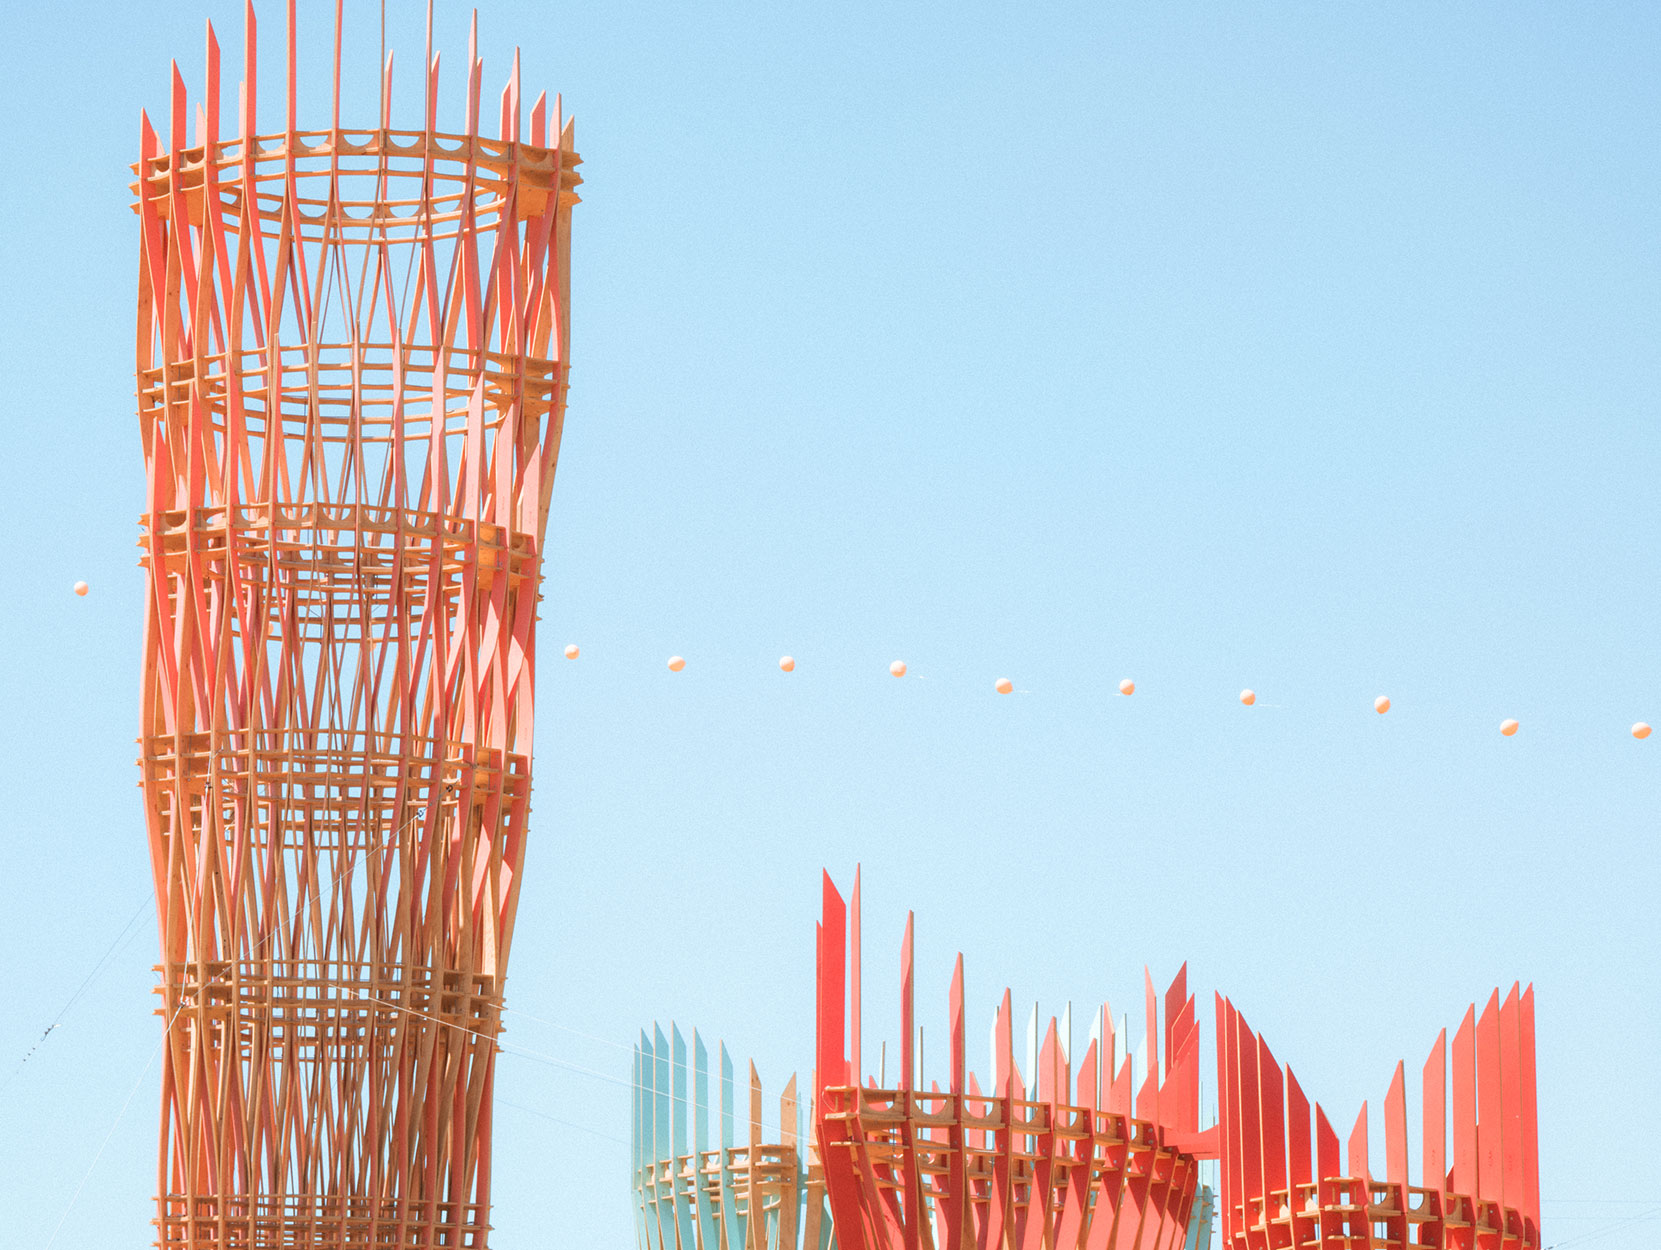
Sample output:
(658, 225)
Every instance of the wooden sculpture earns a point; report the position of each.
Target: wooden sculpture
(1083, 1158)
(352, 354)
(1284, 1185)
(765, 1191)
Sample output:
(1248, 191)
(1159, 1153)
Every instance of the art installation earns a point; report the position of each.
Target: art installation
(1056, 1158)
(1284, 1187)
(352, 355)
(1089, 1157)
(766, 1191)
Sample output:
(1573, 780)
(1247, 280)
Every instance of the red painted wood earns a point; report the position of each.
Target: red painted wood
(1464, 1176)
(908, 1006)
(1434, 1101)
(856, 1051)
(1355, 1152)
(1490, 1179)
(1327, 1165)
(1513, 1184)
(1530, 1112)
(1300, 1153)
(1395, 1130)
(1272, 1110)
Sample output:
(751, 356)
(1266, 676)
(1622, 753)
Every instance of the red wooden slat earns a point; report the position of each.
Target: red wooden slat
(1395, 1130)
(1464, 1176)
(1327, 1164)
(1530, 1111)
(1434, 1101)
(1512, 1168)
(908, 1008)
(1300, 1157)
(1272, 1110)
(1490, 1180)
(1355, 1152)
(1176, 997)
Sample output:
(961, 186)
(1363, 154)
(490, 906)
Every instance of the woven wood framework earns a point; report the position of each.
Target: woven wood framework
(703, 1191)
(351, 364)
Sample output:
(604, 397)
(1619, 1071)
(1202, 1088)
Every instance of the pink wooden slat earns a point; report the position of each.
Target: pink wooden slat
(908, 1006)
(959, 1050)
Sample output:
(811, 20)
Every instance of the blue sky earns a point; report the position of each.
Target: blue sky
(1311, 348)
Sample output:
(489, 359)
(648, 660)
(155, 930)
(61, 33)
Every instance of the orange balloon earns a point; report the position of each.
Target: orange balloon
(1381, 705)
(571, 651)
(676, 664)
(81, 588)
(1003, 685)
(897, 668)
(1640, 730)
(788, 664)
(1248, 697)
(1508, 727)
(1127, 686)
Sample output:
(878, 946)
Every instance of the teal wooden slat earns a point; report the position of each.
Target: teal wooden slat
(684, 1218)
(662, 1197)
(671, 1125)
(700, 1142)
(734, 1227)
(635, 1156)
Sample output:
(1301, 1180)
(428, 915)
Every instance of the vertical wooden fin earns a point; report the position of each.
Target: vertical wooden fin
(1301, 1161)
(959, 1044)
(1490, 1179)
(856, 1054)
(908, 1006)
(1464, 1178)
(1395, 1131)
(1356, 1150)
(1327, 1166)
(1433, 1151)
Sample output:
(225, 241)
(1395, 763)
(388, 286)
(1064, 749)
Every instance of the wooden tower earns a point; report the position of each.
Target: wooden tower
(351, 363)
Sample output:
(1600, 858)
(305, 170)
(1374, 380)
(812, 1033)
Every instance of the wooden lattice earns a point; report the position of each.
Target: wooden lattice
(352, 349)
(698, 1190)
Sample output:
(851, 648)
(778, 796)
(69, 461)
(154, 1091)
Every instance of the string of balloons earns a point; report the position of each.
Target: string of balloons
(1003, 685)
(1127, 687)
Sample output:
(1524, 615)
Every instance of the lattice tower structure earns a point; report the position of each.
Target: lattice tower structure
(352, 352)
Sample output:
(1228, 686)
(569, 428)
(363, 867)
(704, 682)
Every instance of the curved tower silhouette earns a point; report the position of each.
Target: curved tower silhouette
(351, 363)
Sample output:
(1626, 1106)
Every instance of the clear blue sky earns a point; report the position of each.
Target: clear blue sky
(1305, 347)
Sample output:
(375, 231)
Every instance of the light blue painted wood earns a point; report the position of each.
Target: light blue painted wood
(669, 1088)
(734, 1236)
(662, 1199)
(637, 1138)
(684, 1219)
(1199, 1220)
(700, 1141)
